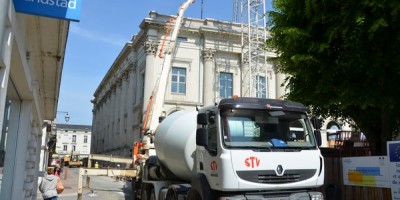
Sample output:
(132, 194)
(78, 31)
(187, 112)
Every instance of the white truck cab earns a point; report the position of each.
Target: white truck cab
(257, 147)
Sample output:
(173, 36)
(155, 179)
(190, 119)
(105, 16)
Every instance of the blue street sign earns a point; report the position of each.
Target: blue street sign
(61, 9)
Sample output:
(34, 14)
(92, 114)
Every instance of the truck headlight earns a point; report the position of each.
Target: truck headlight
(316, 196)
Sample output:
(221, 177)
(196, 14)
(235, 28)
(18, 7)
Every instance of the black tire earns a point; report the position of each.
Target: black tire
(171, 194)
(152, 195)
(135, 189)
(194, 195)
(145, 194)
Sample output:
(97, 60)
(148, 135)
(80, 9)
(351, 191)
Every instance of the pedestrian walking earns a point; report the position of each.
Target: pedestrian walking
(57, 170)
(48, 185)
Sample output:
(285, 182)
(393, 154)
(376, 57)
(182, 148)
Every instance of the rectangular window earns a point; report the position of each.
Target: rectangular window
(73, 138)
(73, 148)
(65, 148)
(261, 87)
(181, 39)
(178, 80)
(65, 138)
(85, 139)
(225, 85)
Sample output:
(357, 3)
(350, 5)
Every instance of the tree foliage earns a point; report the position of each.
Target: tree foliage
(343, 60)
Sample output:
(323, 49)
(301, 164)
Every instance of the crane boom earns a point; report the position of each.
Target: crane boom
(158, 94)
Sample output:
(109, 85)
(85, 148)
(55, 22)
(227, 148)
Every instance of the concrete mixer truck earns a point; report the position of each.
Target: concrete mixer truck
(240, 148)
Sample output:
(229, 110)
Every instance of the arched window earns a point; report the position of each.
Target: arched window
(331, 130)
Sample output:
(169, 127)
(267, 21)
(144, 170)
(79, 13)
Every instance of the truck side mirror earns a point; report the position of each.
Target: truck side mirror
(316, 122)
(202, 119)
(202, 137)
(318, 137)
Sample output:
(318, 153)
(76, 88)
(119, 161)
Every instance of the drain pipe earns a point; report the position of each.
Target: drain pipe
(4, 5)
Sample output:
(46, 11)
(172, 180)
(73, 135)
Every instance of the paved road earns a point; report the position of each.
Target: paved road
(101, 187)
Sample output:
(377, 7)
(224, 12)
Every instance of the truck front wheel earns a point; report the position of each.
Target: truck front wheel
(136, 189)
(194, 195)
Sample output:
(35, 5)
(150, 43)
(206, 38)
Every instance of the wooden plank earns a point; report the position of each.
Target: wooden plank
(109, 158)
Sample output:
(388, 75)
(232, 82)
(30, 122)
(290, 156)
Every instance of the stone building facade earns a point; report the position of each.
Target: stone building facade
(207, 66)
(73, 139)
(32, 51)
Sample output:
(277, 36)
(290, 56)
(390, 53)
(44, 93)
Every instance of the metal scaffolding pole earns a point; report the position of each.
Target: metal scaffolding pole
(254, 34)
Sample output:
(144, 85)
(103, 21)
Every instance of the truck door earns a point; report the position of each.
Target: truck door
(207, 155)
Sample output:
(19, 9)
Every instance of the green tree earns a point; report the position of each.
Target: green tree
(343, 60)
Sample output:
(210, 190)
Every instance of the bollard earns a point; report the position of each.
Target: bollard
(88, 182)
(65, 173)
(81, 173)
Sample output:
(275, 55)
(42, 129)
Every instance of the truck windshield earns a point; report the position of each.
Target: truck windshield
(266, 129)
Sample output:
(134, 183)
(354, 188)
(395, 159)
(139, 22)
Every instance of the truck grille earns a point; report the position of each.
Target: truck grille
(270, 177)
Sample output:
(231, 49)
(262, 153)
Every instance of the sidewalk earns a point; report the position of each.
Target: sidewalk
(101, 187)
(70, 182)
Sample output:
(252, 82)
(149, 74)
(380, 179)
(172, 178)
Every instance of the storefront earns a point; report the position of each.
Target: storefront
(29, 90)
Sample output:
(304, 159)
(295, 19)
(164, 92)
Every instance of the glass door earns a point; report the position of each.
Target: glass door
(11, 110)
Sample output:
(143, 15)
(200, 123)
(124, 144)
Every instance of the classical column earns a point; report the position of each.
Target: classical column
(99, 126)
(246, 76)
(97, 137)
(117, 111)
(123, 113)
(150, 78)
(133, 83)
(208, 80)
(280, 90)
(117, 117)
(132, 80)
(113, 102)
(107, 120)
(95, 120)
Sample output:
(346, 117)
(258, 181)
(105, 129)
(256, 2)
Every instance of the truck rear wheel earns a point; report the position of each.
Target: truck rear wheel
(145, 194)
(152, 195)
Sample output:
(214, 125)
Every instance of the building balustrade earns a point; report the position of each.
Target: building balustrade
(68, 152)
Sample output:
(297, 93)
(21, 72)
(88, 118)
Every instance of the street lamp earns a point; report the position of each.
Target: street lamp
(66, 116)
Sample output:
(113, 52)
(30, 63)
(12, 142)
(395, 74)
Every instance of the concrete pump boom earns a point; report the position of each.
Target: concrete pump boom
(158, 95)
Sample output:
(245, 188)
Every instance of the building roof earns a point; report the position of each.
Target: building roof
(74, 127)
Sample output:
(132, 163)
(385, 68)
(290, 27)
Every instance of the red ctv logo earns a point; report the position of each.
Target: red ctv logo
(252, 162)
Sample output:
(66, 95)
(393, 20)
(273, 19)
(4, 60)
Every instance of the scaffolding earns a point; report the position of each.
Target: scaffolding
(254, 64)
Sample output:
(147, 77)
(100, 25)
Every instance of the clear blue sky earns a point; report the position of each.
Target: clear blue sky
(95, 42)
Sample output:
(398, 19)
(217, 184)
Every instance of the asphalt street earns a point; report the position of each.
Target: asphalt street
(100, 187)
